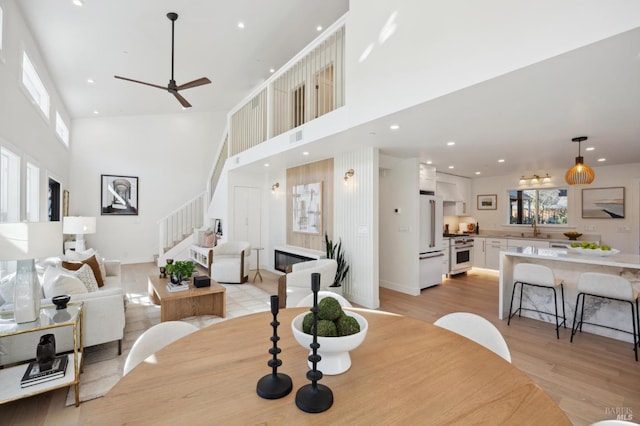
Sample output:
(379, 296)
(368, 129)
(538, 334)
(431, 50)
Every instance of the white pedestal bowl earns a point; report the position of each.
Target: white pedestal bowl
(333, 350)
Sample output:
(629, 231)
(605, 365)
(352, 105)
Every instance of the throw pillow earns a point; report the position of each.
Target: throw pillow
(209, 239)
(73, 255)
(63, 284)
(92, 262)
(84, 274)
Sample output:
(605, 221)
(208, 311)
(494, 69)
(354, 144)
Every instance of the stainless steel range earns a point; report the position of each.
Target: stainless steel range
(461, 252)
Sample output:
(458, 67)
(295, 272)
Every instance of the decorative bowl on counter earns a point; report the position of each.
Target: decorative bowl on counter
(594, 252)
(572, 235)
(333, 350)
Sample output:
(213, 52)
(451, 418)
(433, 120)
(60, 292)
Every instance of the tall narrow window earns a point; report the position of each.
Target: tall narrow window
(61, 129)
(1, 26)
(9, 186)
(54, 201)
(298, 106)
(32, 82)
(32, 195)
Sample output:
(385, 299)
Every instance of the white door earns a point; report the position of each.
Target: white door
(246, 218)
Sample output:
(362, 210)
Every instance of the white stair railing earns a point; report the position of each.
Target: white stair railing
(181, 222)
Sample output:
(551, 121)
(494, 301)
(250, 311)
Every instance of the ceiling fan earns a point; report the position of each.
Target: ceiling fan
(172, 87)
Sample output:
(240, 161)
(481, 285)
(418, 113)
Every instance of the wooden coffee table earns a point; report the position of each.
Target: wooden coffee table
(195, 301)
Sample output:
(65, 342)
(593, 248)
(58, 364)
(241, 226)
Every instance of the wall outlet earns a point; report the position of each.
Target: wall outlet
(625, 229)
(589, 227)
(403, 229)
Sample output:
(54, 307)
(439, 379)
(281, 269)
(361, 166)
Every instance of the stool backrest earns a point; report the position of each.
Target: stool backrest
(606, 285)
(534, 274)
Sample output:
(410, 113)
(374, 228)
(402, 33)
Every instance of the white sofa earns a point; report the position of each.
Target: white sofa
(295, 285)
(231, 262)
(104, 317)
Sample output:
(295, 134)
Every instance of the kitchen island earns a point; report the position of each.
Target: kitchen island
(568, 266)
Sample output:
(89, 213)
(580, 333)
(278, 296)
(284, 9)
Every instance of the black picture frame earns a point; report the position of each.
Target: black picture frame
(118, 195)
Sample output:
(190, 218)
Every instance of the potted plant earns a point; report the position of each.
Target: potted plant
(180, 270)
(335, 252)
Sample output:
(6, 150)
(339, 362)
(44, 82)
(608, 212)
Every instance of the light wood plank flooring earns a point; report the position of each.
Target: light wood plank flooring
(590, 379)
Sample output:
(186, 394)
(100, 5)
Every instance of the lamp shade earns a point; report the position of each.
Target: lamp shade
(30, 240)
(580, 174)
(78, 225)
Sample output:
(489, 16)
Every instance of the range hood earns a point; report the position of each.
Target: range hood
(448, 191)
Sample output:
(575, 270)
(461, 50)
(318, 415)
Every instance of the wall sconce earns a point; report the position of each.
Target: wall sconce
(535, 179)
(349, 173)
(274, 187)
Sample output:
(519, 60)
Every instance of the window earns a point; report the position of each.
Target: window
(32, 195)
(1, 26)
(61, 129)
(9, 186)
(32, 82)
(545, 206)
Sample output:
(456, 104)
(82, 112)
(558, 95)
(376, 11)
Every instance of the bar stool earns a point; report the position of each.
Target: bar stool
(607, 286)
(528, 274)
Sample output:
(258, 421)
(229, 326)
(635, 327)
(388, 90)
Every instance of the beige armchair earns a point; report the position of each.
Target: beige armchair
(231, 262)
(295, 285)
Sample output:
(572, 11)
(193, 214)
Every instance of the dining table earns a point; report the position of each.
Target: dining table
(406, 371)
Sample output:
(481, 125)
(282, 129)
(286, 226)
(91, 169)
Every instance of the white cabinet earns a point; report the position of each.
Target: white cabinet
(493, 247)
(479, 251)
(427, 178)
(527, 243)
(456, 193)
(445, 260)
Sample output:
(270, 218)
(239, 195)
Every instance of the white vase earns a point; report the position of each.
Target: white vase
(26, 297)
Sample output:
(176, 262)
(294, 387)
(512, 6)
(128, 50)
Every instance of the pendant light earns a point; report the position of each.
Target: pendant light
(580, 174)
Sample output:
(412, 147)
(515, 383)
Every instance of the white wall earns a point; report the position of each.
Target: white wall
(399, 239)
(613, 231)
(437, 47)
(170, 154)
(23, 128)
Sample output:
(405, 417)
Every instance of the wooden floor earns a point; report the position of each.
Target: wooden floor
(591, 379)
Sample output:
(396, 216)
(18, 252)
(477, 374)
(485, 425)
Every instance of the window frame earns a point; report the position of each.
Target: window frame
(64, 135)
(31, 192)
(537, 213)
(10, 193)
(34, 85)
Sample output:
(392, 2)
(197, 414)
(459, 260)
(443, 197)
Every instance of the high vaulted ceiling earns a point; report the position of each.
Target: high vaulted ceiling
(527, 117)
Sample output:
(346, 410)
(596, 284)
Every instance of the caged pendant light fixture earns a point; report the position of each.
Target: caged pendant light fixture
(580, 174)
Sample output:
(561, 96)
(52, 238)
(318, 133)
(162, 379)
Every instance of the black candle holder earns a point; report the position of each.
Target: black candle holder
(274, 385)
(314, 397)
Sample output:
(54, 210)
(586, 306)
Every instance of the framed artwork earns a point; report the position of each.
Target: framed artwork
(118, 195)
(65, 203)
(603, 203)
(488, 202)
(307, 208)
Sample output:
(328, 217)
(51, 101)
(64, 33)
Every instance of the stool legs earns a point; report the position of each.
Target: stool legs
(555, 303)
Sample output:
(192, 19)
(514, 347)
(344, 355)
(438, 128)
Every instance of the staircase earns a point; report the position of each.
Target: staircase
(176, 228)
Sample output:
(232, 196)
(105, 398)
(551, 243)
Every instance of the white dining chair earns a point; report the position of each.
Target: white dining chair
(308, 299)
(614, 423)
(154, 339)
(478, 329)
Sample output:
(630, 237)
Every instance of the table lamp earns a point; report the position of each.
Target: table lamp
(26, 242)
(79, 225)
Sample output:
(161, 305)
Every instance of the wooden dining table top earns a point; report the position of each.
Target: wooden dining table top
(405, 372)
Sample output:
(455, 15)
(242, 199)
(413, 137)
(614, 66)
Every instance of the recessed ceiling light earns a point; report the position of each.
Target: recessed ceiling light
(240, 24)
(266, 164)
(319, 28)
(602, 159)
(451, 143)
(305, 153)
(394, 127)
(429, 162)
(451, 167)
(96, 112)
(501, 160)
(271, 70)
(78, 2)
(90, 81)
(477, 173)
(589, 148)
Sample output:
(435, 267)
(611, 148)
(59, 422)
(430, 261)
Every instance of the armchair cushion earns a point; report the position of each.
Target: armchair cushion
(295, 285)
(231, 262)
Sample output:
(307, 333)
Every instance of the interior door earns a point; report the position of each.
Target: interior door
(246, 218)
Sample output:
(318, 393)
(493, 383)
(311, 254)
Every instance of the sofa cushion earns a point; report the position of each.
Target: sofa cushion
(84, 274)
(63, 284)
(93, 264)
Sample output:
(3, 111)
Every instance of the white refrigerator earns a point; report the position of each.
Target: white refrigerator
(430, 252)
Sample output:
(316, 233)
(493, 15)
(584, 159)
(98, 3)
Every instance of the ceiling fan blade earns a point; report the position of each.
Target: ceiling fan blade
(194, 83)
(141, 82)
(182, 100)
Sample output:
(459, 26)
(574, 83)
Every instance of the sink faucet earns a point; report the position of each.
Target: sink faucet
(536, 231)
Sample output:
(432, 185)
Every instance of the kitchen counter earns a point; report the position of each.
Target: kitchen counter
(568, 266)
(551, 239)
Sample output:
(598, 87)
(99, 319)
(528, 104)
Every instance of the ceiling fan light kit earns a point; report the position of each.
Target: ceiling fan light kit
(580, 174)
(172, 87)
